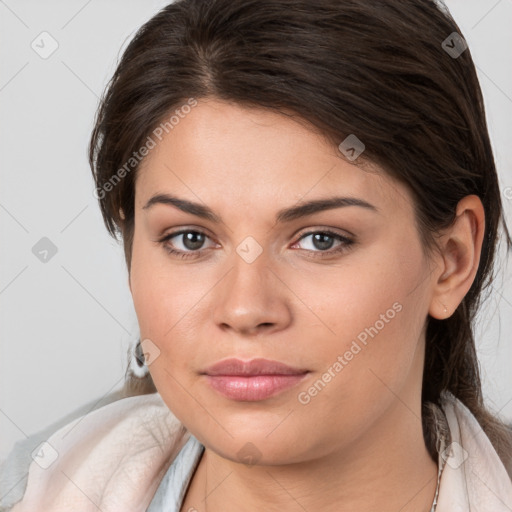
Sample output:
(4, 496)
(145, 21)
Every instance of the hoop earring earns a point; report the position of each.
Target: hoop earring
(138, 367)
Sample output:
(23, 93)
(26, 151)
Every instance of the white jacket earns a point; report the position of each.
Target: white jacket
(115, 457)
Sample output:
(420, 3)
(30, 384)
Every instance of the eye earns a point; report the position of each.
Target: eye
(322, 242)
(190, 240)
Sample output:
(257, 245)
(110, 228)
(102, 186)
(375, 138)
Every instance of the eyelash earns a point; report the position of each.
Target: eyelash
(345, 246)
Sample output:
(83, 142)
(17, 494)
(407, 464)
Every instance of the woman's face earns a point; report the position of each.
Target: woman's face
(346, 309)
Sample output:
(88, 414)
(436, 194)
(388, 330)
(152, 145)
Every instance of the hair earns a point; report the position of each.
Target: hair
(374, 69)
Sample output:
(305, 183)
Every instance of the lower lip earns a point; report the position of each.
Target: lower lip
(252, 389)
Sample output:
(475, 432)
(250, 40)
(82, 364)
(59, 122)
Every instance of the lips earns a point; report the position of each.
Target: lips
(253, 380)
(253, 367)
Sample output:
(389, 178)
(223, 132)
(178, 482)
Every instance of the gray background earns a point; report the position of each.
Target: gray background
(66, 324)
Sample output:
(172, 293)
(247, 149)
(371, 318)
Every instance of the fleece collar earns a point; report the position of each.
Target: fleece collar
(114, 458)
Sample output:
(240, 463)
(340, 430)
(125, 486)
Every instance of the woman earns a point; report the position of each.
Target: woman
(309, 207)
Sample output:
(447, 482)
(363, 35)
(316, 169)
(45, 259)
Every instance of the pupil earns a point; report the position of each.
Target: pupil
(320, 243)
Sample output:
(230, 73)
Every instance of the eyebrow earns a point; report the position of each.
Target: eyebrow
(284, 215)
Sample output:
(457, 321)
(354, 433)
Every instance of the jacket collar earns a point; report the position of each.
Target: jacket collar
(115, 457)
(473, 477)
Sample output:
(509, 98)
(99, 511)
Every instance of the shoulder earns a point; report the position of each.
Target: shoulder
(473, 475)
(467, 422)
(112, 458)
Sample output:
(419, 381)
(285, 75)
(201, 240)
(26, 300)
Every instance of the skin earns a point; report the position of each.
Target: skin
(357, 444)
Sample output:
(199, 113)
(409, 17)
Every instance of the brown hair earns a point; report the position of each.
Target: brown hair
(375, 69)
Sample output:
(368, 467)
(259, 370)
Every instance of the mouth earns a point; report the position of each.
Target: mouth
(253, 380)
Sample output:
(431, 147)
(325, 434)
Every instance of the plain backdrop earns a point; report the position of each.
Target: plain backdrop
(66, 323)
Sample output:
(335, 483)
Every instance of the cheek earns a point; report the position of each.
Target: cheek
(156, 288)
(160, 302)
(378, 295)
(154, 296)
(378, 314)
(168, 302)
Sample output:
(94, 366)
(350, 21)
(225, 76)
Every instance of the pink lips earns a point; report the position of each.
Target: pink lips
(253, 380)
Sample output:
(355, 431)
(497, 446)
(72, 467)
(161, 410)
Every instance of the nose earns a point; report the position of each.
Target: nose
(252, 298)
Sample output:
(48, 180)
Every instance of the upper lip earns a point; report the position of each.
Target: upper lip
(253, 367)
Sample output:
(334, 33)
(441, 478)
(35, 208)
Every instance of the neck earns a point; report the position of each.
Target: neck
(386, 468)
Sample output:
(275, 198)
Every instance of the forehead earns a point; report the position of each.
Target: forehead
(228, 154)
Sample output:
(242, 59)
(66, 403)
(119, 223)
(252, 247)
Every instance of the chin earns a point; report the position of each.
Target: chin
(255, 446)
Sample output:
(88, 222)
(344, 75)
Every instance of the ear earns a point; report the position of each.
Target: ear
(460, 248)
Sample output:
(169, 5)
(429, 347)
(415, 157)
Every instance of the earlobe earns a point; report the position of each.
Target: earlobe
(440, 311)
(460, 247)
